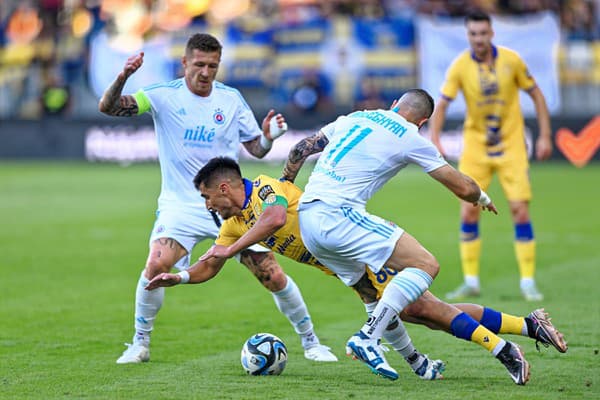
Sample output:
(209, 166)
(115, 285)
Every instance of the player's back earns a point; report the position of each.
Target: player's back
(365, 150)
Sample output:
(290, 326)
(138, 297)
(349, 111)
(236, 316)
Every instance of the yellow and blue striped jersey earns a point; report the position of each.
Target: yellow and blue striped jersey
(263, 192)
(494, 120)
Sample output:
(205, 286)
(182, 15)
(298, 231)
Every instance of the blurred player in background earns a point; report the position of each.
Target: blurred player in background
(494, 142)
(196, 118)
(264, 211)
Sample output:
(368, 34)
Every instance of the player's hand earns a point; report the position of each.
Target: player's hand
(543, 148)
(274, 125)
(132, 64)
(490, 207)
(163, 280)
(217, 251)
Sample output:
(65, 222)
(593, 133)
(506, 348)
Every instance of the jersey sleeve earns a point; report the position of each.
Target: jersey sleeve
(249, 128)
(329, 129)
(524, 79)
(425, 154)
(451, 85)
(228, 233)
(270, 193)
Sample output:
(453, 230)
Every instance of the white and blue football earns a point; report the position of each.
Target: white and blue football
(264, 354)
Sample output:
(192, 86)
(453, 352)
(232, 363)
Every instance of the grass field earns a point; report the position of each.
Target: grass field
(75, 239)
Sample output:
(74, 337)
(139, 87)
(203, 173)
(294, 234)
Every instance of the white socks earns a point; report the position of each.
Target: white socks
(403, 289)
(290, 302)
(147, 304)
(399, 340)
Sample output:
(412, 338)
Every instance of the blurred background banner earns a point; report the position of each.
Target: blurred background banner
(535, 37)
(310, 60)
(107, 60)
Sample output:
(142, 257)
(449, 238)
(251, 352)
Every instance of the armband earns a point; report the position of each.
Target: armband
(484, 199)
(184, 275)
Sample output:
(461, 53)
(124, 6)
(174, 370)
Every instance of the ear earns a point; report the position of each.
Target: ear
(393, 107)
(184, 61)
(422, 122)
(223, 187)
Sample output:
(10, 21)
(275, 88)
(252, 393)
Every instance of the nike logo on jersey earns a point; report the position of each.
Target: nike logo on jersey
(200, 134)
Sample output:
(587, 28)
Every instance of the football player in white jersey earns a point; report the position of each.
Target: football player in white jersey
(360, 153)
(195, 119)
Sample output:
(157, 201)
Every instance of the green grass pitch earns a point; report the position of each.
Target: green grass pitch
(74, 241)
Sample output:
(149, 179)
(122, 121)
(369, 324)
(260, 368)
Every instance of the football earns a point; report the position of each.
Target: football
(264, 354)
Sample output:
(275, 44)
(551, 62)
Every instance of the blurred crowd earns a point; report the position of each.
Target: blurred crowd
(45, 45)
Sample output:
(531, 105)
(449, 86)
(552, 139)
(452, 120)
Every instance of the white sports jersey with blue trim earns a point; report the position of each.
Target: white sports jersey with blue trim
(365, 150)
(191, 130)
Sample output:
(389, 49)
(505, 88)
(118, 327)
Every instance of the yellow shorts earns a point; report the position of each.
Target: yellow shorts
(381, 279)
(513, 173)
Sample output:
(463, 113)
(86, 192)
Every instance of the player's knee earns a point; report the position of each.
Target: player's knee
(265, 268)
(278, 280)
(520, 214)
(430, 265)
(155, 266)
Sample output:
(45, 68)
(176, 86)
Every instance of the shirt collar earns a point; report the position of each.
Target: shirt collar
(248, 191)
(494, 54)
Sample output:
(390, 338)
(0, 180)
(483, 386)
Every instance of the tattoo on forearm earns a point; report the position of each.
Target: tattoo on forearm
(113, 103)
(253, 147)
(300, 152)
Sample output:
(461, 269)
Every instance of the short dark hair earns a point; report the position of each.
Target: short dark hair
(217, 167)
(203, 42)
(421, 102)
(477, 16)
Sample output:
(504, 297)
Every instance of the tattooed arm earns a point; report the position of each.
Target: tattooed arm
(300, 152)
(112, 102)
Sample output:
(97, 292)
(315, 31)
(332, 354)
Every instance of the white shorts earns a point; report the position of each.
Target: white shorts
(345, 239)
(188, 227)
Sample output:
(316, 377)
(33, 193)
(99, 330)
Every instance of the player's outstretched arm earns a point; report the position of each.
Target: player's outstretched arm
(201, 271)
(272, 219)
(273, 126)
(463, 187)
(112, 102)
(300, 152)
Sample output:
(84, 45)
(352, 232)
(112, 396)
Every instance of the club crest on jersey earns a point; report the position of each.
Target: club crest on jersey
(219, 117)
(265, 191)
(271, 199)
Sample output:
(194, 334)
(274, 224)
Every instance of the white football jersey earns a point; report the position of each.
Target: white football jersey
(365, 150)
(191, 130)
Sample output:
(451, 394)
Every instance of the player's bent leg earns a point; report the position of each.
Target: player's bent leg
(164, 253)
(289, 301)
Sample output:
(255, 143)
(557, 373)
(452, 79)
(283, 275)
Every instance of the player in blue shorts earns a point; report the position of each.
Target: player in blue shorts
(195, 119)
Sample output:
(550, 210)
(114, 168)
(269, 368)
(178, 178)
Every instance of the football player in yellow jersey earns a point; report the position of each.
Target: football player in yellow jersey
(490, 78)
(264, 211)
